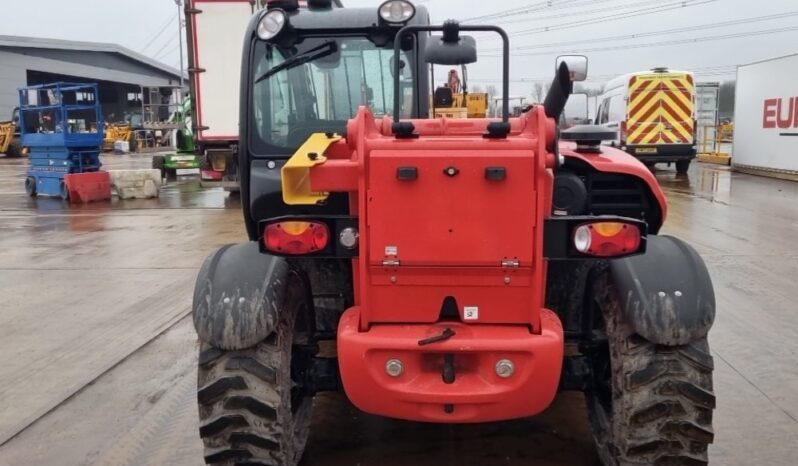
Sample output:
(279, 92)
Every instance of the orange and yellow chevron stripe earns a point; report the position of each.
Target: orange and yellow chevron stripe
(661, 109)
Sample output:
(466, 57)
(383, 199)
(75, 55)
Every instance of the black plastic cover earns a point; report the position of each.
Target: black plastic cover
(666, 294)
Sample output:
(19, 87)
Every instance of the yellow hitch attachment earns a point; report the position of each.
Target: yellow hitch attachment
(296, 172)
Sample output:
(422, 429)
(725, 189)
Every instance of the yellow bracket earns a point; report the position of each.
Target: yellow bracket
(296, 172)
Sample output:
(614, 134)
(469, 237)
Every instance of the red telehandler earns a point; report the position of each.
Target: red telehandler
(466, 269)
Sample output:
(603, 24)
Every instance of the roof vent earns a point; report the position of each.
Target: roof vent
(660, 69)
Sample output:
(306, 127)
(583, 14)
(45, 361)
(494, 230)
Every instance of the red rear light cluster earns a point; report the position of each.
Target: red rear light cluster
(607, 239)
(296, 237)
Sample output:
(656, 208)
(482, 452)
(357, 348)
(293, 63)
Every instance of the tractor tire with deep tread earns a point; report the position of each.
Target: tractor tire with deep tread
(251, 406)
(648, 404)
(682, 166)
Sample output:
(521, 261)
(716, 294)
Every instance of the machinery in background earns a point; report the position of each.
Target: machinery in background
(64, 133)
(453, 100)
(726, 131)
(119, 131)
(10, 142)
(183, 141)
(517, 106)
(149, 124)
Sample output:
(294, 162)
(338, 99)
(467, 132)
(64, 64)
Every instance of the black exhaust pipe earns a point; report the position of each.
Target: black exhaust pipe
(560, 89)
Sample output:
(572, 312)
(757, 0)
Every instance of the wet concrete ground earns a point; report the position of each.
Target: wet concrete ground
(98, 356)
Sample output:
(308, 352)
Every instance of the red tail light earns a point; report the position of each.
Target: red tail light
(622, 136)
(607, 239)
(296, 237)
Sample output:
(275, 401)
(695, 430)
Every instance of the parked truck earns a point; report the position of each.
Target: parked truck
(214, 35)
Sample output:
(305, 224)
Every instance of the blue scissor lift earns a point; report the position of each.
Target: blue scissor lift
(64, 131)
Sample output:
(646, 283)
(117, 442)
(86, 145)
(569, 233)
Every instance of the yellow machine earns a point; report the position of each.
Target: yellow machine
(726, 132)
(10, 143)
(454, 101)
(118, 132)
(471, 105)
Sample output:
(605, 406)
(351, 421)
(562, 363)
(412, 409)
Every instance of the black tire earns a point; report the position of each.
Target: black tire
(30, 186)
(648, 404)
(134, 144)
(682, 166)
(159, 163)
(252, 404)
(171, 174)
(64, 191)
(15, 149)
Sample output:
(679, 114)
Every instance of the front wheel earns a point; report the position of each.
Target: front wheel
(647, 404)
(253, 404)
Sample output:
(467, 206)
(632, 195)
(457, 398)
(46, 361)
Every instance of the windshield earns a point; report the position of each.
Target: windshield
(317, 86)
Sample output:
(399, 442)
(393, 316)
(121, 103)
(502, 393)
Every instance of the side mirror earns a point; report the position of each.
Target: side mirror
(577, 66)
(440, 51)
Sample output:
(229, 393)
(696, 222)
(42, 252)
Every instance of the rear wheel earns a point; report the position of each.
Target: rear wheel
(30, 186)
(682, 166)
(253, 404)
(647, 404)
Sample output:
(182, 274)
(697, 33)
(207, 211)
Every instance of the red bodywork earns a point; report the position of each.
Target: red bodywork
(440, 236)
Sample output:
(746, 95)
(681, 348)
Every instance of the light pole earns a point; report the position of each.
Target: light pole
(179, 4)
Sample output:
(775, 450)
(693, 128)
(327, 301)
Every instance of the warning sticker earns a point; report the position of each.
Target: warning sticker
(391, 250)
(470, 312)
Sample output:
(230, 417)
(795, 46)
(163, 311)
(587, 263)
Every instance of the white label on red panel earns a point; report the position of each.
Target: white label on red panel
(391, 250)
(471, 313)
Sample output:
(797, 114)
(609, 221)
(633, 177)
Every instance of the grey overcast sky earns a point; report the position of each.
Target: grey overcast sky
(711, 37)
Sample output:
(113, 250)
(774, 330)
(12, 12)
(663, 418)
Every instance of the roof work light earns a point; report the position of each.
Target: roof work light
(397, 11)
(272, 24)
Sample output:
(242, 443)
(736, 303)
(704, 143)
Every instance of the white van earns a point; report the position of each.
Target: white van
(654, 115)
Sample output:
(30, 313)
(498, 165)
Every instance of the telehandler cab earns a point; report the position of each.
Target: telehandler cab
(466, 269)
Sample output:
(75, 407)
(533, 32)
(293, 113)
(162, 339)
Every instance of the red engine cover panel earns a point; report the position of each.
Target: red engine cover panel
(461, 219)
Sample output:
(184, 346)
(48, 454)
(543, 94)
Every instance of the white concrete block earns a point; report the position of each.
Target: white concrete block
(136, 184)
